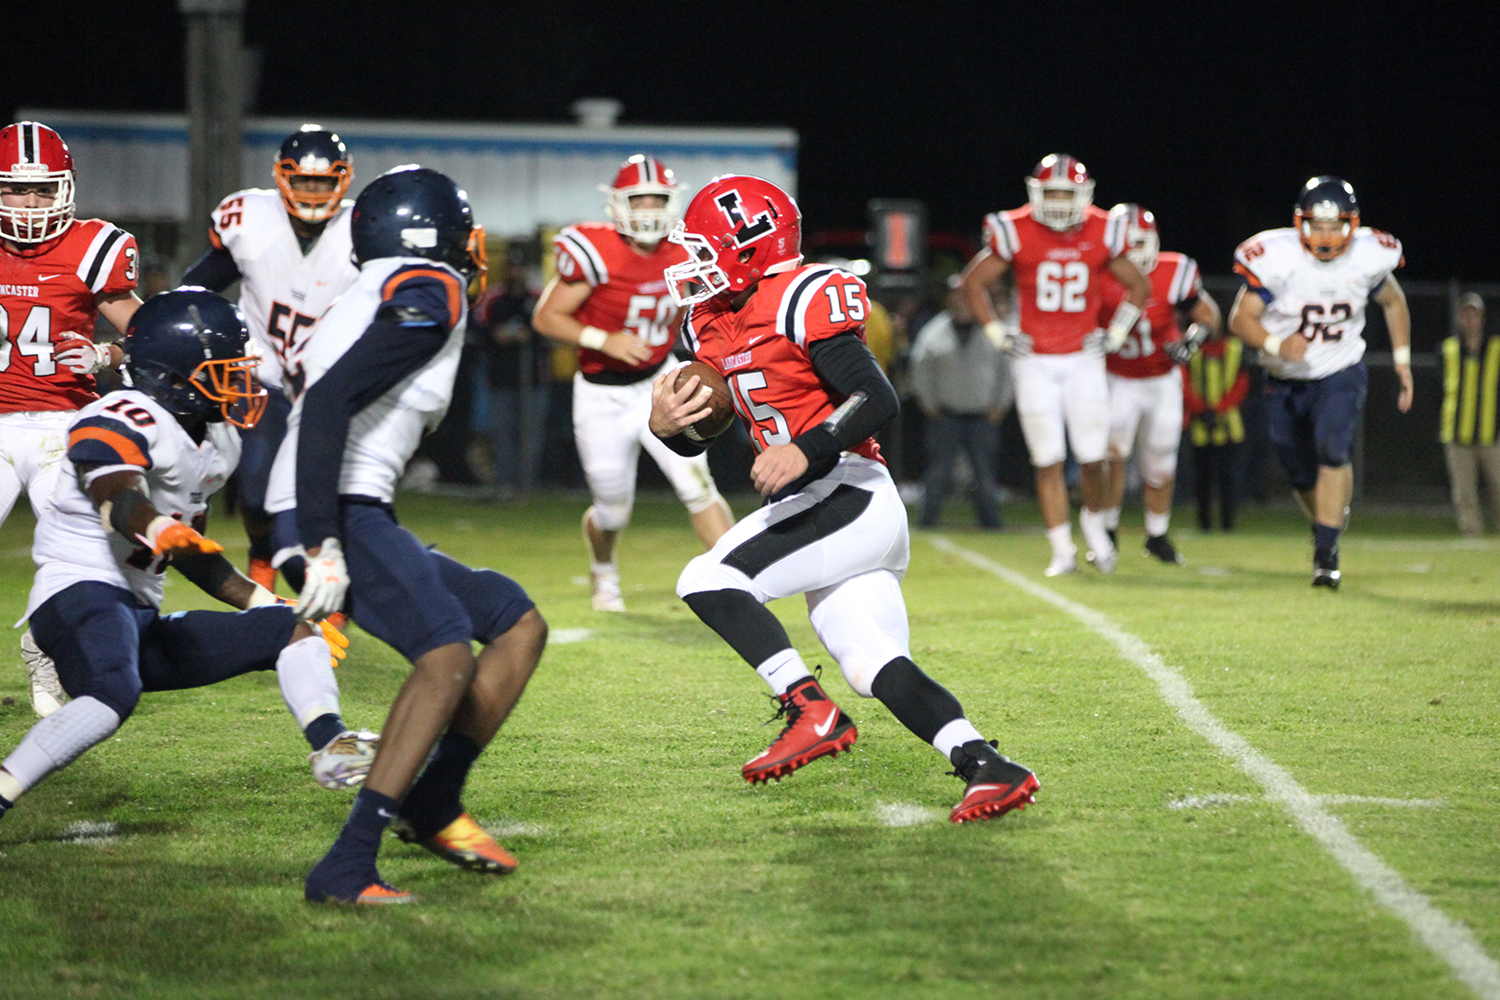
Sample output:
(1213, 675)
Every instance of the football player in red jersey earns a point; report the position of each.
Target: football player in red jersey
(1145, 377)
(57, 274)
(789, 339)
(1061, 249)
(609, 299)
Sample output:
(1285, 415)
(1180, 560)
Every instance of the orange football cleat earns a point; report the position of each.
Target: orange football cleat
(464, 843)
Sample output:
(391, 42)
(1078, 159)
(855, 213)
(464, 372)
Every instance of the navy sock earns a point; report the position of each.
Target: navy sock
(1325, 539)
(260, 547)
(349, 866)
(435, 799)
(5, 804)
(322, 730)
(371, 814)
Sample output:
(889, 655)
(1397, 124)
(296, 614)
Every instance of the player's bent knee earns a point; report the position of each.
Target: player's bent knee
(1158, 468)
(119, 692)
(611, 515)
(698, 501)
(706, 572)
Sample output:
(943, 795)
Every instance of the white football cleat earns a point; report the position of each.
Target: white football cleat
(604, 591)
(1062, 564)
(345, 761)
(47, 694)
(1104, 561)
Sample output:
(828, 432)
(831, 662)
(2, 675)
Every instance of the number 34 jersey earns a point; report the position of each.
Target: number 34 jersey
(1324, 301)
(629, 291)
(126, 431)
(47, 296)
(1059, 276)
(761, 350)
(283, 291)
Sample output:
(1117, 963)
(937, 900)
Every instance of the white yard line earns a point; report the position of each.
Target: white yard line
(1212, 800)
(1447, 938)
(562, 636)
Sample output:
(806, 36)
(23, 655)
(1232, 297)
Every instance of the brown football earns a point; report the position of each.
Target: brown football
(720, 402)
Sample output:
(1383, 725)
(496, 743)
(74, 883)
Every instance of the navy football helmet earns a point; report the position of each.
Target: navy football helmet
(412, 211)
(186, 349)
(313, 152)
(1326, 199)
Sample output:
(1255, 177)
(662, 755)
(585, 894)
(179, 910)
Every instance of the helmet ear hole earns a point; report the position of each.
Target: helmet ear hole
(746, 256)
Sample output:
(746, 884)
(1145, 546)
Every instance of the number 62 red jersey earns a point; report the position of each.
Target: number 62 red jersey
(47, 296)
(761, 350)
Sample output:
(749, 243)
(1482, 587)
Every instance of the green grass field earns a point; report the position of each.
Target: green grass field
(1151, 866)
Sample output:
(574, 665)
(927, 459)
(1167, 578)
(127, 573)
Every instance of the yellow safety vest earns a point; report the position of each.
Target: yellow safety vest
(1210, 378)
(1469, 392)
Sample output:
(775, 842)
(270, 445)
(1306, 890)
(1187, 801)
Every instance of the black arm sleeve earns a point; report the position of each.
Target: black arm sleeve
(215, 271)
(846, 365)
(387, 352)
(208, 572)
(685, 446)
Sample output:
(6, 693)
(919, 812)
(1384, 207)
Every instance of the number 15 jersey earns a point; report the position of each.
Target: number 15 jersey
(1059, 275)
(1322, 300)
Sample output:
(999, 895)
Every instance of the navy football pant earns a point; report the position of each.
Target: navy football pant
(109, 645)
(1313, 422)
(409, 596)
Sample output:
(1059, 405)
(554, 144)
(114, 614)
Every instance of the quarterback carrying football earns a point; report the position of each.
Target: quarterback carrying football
(789, 339)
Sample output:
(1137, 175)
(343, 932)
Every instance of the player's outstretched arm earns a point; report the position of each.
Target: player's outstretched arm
(215, 270)
(1392, 299)
(553, 317)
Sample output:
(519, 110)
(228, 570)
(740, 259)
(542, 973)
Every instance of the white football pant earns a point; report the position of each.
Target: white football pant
(1058, 392)
(1147, 412)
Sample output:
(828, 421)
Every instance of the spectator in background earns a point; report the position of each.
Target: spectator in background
(962, 382)
(503, 316)
(1211, 396)
(1471, 371)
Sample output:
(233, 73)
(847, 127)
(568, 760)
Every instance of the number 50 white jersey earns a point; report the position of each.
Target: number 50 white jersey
(283, 291)
(1324, 301)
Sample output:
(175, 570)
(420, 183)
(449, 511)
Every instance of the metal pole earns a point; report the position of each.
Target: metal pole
(215, 107)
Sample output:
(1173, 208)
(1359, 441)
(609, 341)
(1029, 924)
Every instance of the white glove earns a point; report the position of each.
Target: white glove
(998, 335)
(327, 583)
(81, 356)
(1120, 326)
(1182, 351)
(1020, 345)
(1093, 342)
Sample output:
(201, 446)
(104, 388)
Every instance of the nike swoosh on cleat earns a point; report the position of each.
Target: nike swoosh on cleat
(827, 723)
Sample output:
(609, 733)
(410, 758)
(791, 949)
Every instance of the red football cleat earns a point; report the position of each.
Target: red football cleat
(815, 728)
(997, 784)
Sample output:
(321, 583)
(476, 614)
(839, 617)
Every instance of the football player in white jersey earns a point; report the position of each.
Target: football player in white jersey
(289, 250)
(131, 496)
(1303, 306)
(378, 375)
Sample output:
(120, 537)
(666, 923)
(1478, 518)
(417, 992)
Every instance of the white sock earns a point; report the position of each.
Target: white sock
(782, 670)
(954, 734)
(603, 568)
(1091, 523)
(305, 673)
(1112, 518)
(1061, 538)
(59, 739)
(1156, 524)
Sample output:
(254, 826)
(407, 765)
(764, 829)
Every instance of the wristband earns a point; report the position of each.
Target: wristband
(1401, 355)
(260, 597)
(1272, 346)
(996, 332)
(592, 338)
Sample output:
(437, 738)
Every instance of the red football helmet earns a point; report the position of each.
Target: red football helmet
(1060, 172)
(640, 175)
(1142, 244)
(737, 230)
(33, 154)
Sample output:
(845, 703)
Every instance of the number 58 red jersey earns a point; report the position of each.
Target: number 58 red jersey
(47, 296)
(1059, 275)
(761, 350)
(629, 291)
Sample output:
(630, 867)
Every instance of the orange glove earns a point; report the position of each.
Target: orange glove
(338, 643)
(165, 534)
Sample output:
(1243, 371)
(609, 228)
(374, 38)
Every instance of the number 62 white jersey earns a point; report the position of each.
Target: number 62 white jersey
(1325, 301)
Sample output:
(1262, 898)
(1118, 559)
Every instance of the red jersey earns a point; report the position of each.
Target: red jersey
(47, 297)
(1059, 276)
(1175, 284)
(629, 292)
(761, 350)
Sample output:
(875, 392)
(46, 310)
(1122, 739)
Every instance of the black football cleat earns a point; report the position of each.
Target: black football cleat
(1114, 536)
(996, 784)
(1326, 569)
(1162, 548)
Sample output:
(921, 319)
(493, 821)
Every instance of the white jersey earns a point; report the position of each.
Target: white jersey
(125, 431)
(283, 291)
(384, 435)
(1324, 301)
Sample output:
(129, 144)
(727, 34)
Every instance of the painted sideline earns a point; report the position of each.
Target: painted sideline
(1447, 938)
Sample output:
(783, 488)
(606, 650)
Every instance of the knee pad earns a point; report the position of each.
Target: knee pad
(611, 515)
(1158, 467)
(698, 502)
(707, 573)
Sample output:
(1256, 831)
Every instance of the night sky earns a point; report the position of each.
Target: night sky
(1212, 116)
